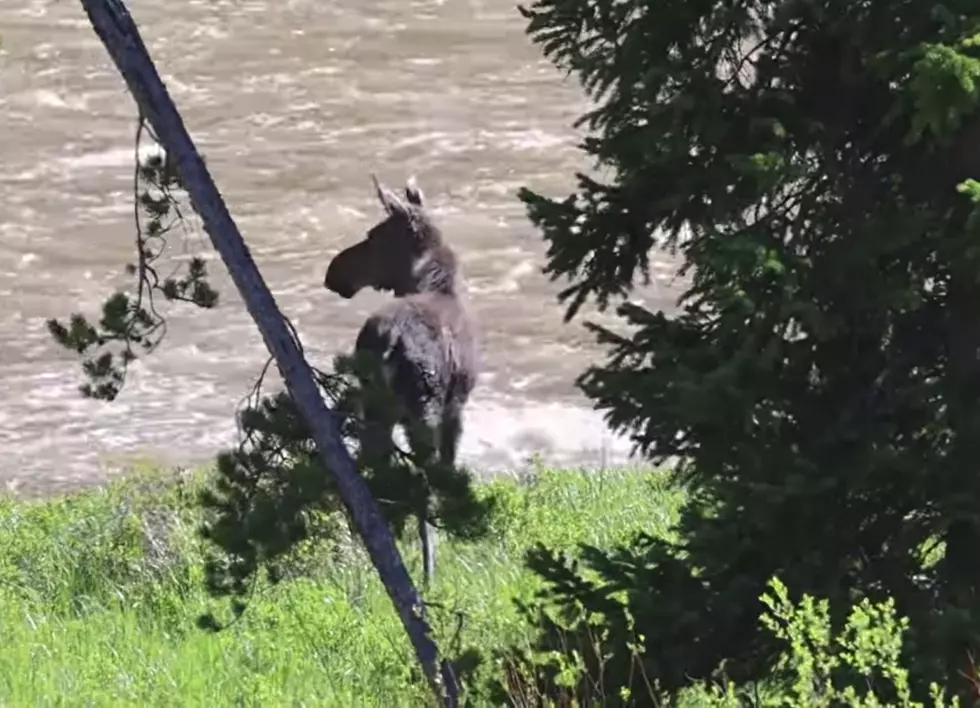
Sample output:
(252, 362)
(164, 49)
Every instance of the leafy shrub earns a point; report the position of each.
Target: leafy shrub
(858, 665)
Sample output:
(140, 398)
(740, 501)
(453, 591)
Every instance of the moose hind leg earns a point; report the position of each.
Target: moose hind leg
(427, 535)
(445, 436)
(427, 539)
(424, 440)
(377, 444)
(451, 431)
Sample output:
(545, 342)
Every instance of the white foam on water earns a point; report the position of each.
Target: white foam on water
(50, 99)
(509, 282)
(499, 436)
(503, 434)
(70, 167)
(157, 421)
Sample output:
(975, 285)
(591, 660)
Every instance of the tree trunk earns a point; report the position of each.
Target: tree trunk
(118, 32)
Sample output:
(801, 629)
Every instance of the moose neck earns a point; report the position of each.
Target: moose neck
(436, 271)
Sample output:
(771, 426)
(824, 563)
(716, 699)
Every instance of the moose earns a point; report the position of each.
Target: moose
(424, 341)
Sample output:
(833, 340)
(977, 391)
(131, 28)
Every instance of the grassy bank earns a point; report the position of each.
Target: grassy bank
(100, 590)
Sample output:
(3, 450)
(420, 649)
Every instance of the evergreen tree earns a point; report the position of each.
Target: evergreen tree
(810, 163)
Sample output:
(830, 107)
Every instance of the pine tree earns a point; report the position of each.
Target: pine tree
(810, 164)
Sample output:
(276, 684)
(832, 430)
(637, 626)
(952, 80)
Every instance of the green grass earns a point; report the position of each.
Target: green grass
(100, 590)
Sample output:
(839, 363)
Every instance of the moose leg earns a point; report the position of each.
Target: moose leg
(427, 538)
(452, 429)
(377, 444)
(445, 436)
(423, 438)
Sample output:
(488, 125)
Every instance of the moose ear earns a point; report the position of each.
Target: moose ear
(389, 200)
(412, 192)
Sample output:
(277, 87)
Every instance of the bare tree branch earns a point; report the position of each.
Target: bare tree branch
(115, 27)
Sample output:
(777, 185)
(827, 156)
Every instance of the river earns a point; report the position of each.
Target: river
(294, 104)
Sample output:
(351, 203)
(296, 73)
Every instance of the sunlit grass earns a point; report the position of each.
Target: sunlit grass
(99, 593)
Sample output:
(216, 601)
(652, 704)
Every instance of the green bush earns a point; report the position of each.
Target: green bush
(859, 665)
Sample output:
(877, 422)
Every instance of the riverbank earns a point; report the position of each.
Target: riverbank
(100, 590)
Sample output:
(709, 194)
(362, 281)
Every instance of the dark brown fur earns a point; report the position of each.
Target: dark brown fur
(425, 338)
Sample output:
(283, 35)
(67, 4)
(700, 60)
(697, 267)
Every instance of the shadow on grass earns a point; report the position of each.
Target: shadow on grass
(100, 590)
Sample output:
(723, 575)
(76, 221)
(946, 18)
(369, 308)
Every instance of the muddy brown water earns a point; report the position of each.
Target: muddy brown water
(294, 105)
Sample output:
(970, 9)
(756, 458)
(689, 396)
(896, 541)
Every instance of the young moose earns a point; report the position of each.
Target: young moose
(425, 339)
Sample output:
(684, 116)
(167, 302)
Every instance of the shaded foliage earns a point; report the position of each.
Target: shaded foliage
(273, 493)
(808, 161)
